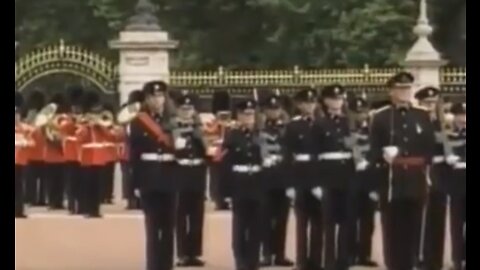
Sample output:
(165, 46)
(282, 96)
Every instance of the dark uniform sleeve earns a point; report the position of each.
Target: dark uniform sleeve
(375, 155)
(429, 138)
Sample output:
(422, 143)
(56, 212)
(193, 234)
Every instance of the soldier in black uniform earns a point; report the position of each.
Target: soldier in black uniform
(362, 199)
(432, 241)
(300, 145)
(154, 163)
(276, 203)
(190, 153)
(457, 185)
(241, 150)
(402, 144)
(336, 169)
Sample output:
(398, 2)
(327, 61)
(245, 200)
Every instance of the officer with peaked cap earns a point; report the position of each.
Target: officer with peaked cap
(457, 185)
(402, 144)
(336, 171)
(243, 156)
(190, 153)
(300, 145)
(154, 165)
(434, 219)
(362, 202)
(277, 204)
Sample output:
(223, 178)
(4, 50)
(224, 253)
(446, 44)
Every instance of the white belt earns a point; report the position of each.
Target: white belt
(275, 158)
(97, 145)
(335, 156)
(438, 159)
(460, 165)
(246, 168)
(190, 162)
(23, 143)
(302, 157)
(71, 138)
(157, 157)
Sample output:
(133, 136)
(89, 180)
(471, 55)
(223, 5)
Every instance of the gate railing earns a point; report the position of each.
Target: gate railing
(453, 80)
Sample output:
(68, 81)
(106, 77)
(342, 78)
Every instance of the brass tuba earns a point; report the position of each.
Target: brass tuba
(128, 113)
(48, 119)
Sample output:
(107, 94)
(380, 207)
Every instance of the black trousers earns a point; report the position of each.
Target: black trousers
(309, 231)
(107, 182)
(400, 225)
(35, 186)
(159, 211)
(336, 229)
(435, 222)
(246, 232)
(458, 231)
(189, 227)
(19, 186)
(361, 225)
(216, 191)
(277, 207)
(128, 187)
(55, 179)
(90, 190)
(73, 185)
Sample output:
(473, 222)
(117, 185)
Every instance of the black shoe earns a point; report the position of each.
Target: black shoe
(196, 262)
(266, 261)
(221, 207)
(93, 215)
(183, 262)
(282, 262)
(21, 216)
(367, 263)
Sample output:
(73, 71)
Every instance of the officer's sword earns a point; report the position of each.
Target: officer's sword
(390, 167)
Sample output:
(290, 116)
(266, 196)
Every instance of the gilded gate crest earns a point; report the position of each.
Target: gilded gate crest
(61, 58)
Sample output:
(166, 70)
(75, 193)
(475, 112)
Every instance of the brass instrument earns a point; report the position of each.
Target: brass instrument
(48, 119)
(128, 113)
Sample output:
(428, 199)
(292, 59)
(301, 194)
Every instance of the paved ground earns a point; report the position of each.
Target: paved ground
(55, 241)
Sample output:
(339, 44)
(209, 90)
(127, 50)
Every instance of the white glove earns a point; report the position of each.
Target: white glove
(390, 153)
(362, 165)
(452, 159)
(268, 162)
(374, 196)
(317, 193)
(136, 192)
(291, 193)
(180, 143)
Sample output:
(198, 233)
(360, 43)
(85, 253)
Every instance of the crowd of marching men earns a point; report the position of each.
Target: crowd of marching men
(336, 159)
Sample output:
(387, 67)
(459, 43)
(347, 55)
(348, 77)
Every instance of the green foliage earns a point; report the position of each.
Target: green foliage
(237, 33)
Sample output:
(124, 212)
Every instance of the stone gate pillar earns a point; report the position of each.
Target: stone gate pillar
(144, 50)
(423, 61)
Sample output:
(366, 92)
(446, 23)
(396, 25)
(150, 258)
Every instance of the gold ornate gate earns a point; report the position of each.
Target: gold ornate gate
(61, 58)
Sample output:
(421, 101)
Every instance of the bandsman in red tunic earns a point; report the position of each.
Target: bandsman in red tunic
(71, 146)
(93, 154)
(22, 142)
(54, 154)
(35, 186)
